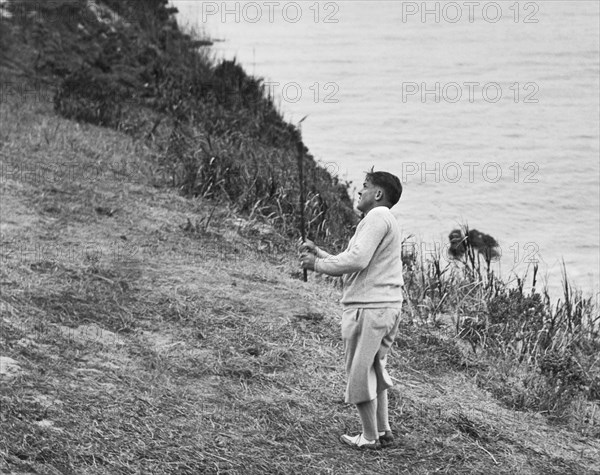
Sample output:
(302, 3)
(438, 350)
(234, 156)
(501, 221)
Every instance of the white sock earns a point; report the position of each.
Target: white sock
(383, 420)
(368, 416)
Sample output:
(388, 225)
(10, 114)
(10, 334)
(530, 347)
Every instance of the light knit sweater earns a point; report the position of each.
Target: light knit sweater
(371, 265)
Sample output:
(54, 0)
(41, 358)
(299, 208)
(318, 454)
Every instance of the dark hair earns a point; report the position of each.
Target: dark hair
(390, 184)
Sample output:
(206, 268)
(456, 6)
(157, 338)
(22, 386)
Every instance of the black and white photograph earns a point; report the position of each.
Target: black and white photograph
(299, 237)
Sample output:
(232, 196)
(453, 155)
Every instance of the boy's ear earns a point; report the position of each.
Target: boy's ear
(379, 194)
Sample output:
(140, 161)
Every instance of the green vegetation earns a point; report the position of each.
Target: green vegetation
(152, 319)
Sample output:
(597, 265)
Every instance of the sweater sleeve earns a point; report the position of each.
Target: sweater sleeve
(321, 254)
(360, 252)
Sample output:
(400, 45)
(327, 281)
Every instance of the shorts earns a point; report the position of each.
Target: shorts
(368, 334)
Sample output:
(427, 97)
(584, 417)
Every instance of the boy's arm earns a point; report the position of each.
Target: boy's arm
(359, 254)
(321, 254)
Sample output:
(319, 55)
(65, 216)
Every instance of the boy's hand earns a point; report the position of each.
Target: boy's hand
(307, 246)
(307, 261)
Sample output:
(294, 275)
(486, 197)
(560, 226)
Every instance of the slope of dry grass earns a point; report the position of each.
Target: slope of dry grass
(155, 334)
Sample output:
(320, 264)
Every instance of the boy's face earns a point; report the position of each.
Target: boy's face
(369, 197)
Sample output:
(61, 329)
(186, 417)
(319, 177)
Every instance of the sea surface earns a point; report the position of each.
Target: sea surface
(489, 114)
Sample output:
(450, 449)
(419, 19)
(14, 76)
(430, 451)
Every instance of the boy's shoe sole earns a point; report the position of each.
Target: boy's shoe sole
(356, 442)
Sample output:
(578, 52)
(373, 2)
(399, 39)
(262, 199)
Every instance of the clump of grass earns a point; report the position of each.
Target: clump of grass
(539, 356)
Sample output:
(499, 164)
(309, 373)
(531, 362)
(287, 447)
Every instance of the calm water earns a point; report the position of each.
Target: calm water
(508, 142)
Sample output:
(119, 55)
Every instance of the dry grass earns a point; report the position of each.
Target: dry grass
(146, 345)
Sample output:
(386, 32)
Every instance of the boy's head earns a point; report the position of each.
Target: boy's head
(379, 189)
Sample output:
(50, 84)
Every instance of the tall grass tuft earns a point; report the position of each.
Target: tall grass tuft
(539, 355)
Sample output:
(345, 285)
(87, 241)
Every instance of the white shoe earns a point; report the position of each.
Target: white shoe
(360, 442)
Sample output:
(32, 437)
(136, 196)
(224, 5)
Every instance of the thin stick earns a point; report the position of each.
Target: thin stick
(302, 197)
(487, 452)
(301, 177)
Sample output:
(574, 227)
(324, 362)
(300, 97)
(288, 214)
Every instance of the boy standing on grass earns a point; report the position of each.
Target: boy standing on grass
(371, 267)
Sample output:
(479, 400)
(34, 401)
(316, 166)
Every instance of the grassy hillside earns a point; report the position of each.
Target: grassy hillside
(141, 344)
(150, 324)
